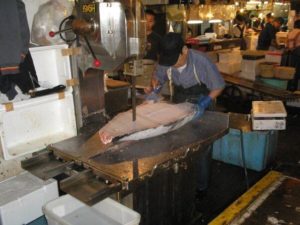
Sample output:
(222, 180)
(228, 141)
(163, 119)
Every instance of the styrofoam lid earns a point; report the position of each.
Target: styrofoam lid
(20, 185)
(268, 109)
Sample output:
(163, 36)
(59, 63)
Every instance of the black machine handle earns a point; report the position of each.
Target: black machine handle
(48, 91)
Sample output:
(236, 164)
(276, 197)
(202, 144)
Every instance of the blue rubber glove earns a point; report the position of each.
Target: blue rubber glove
(201, 106)
(153, 96)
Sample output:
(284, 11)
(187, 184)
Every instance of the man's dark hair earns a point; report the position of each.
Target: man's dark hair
(269, 15)
(150, 12)
(279, 20)
(297, 24)
(240, 18)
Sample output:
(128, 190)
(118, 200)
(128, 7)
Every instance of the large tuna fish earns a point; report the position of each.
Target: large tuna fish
(151, 120)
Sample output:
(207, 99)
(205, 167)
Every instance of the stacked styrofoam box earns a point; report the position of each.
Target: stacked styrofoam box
(67, 210)
(250, 68)
(22, 198)
(33, 124)
(251, 42)
(284, 72)
(229, 62)
(281, 38)
(273, 56)
(229, 68)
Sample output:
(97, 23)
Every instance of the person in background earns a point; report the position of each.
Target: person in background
(209, 29)
(194, 78)
(257, 24)
(153, 38)
(293, 38)
(239, 30)
(292, 56)
(267, 36)
(267, 20)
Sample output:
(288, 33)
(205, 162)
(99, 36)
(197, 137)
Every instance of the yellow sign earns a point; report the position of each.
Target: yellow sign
(89, 8)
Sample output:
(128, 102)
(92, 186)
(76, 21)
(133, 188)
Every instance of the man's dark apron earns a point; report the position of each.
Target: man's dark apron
(180, 94)
(243, 41)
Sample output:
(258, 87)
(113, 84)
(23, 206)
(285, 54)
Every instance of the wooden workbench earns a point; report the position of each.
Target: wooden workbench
(256, 86)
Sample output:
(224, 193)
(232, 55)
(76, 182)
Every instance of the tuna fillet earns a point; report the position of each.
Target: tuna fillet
(151, 120)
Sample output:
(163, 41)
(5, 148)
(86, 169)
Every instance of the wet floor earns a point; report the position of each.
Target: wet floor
(228, 182)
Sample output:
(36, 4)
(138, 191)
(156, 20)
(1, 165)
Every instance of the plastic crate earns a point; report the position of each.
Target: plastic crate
(67, 210)
(259, 148)
(22, 198)
(39, 221)
(273, 82)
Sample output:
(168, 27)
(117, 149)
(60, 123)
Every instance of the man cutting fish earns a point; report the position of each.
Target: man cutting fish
(194, 78)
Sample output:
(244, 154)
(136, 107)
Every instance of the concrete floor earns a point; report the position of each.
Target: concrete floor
(228, 181)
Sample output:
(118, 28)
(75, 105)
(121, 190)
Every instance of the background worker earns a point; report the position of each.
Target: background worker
(239, 30)
(291, 56)
(293, 38)
(196, 79)
(153, 38)
(267, 36)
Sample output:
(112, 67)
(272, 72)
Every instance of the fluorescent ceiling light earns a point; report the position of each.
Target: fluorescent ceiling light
(194, 21)
(254, 2)
(215, 21)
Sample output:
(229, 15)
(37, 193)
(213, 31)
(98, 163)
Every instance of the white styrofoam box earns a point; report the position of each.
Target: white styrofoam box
(251, 42)
(67, 210)
(250, 68)
(281, 38)
(268, 115)
(229, 67)
(23, 196)
(37, 122)
(251, 65)
(248, 75)
(52, 68)
(270, 109)
(273, 56)
(230, 57)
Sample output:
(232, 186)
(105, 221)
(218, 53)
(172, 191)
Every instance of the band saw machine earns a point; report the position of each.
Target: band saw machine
(157, 173)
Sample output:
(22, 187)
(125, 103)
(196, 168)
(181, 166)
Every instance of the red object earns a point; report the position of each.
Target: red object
(51, 33)
(97, 63)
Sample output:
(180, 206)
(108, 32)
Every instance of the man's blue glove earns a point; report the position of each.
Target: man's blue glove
(153, 96)
(201, 106)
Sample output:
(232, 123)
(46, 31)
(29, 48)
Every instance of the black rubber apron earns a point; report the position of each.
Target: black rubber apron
(191, 94)
(243, 45)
